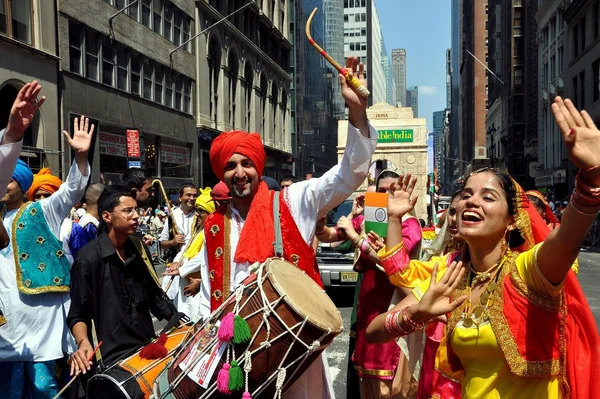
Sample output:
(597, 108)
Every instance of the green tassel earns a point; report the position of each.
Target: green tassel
(241, 330)
(236, 377)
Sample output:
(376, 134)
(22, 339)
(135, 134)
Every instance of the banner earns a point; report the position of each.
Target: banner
(133, 143)
(174, 154)
(113, 144)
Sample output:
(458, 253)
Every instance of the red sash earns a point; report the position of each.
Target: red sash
(217, 228)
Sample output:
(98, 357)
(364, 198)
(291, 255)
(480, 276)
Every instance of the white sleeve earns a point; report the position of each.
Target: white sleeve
(57, 206)
(164, 234)
(204, 293)
(311, 199)
(9, 154)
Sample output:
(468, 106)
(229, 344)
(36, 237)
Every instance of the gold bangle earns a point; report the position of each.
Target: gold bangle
(572, 203)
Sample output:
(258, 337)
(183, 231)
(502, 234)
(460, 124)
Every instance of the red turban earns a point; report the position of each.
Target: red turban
(43, 180)
(237, 142)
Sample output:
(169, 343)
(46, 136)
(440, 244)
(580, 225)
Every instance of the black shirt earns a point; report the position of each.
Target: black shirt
(117, 296)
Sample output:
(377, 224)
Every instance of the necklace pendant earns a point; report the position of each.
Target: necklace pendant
(491, 287)
(478, 312)
(468, 322)
(484, 297)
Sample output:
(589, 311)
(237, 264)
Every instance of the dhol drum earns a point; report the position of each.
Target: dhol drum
(133, 377)
(291, 320)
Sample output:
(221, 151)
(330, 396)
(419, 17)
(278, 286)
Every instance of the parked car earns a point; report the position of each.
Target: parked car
(335, 267)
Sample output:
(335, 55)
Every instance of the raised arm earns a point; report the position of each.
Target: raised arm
(582, 138)
(57, 206)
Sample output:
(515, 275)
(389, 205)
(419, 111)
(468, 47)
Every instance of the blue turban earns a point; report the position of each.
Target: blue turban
(23, 175)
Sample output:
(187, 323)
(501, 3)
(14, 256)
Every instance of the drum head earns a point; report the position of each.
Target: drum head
(304, 295)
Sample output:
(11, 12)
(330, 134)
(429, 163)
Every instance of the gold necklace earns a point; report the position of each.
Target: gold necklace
(479, 314)
(483, 276)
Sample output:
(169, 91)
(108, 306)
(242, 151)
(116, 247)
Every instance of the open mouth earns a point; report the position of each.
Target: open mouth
(453, 229)
(241, 184)
(471, 217)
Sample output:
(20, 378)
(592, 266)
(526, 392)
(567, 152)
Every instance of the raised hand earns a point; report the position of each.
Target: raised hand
(23, 111)
(400, 198)
(345, 224)
(82, 135)
(358, 205)
(579, 132)
(436, 301)
(357, 104)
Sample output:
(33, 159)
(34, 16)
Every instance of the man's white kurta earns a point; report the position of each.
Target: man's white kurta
(9, 153)
(308, 201)
(36, 329)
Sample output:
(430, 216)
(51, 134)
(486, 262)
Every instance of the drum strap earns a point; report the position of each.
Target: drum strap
(139, 246)
(278, 243)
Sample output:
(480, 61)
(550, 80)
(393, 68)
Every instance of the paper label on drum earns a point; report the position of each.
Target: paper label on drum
(202, 365)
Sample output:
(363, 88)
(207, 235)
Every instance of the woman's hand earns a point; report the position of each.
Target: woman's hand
(436, 301)
(375, 241)
(345, 224)
(358, 205)
(400, 199)
(580, 134)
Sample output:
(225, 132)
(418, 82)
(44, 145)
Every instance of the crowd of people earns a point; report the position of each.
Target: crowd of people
(492, 308)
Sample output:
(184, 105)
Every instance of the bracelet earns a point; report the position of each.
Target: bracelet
(320, 231)
(392, 325)
(364, 246)
(410, 322)
(572, 203)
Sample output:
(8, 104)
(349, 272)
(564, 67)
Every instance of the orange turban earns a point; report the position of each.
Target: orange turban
(237, 142)
(43, 180)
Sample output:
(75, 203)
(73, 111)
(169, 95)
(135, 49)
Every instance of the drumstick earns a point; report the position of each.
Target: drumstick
(170, 282)
(77, 375)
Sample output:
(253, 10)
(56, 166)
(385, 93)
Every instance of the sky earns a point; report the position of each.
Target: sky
(422, 27)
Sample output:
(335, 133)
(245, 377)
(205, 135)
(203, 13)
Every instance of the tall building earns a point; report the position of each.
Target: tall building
(121, 71)
(552, 157)
(454, 163)
(439, 118)
(513, 56)
(448, 78)
(313, 108)
(399, 72)
(362, 38)
(412, 99)
(243, 65)
(390, 96)
(29, 50)
(582, 63)
(474, 84)
(334, 45)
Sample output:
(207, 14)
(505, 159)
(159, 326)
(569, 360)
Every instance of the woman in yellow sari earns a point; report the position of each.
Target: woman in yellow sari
(514, 308)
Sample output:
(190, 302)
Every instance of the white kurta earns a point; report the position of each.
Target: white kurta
(36, 329)
(308, 201)
(175, 292)
(9, 153)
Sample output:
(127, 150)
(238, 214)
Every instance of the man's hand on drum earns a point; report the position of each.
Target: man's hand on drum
(172, 269)
(79, 359)
(192, 288)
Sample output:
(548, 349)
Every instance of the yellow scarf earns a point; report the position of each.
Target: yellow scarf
(195, 246)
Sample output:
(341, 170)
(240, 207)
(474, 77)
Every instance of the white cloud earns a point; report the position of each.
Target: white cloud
(427, 90)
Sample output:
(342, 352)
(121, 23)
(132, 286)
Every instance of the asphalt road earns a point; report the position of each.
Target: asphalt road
(337, 353)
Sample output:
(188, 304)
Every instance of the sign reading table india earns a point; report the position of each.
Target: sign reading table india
(396, 136)
(376, 218)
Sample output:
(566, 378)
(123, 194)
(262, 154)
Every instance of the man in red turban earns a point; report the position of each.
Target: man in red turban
(238, 159)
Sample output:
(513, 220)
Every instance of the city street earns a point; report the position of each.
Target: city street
(337, 353)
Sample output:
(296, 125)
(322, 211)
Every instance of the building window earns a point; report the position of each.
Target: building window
(15, 19)
(575, 40)
(233, 81)
(92, 48)
(108, 62)
(146, 13)
(187, 96)
(596, 20)
(178, 92)
(122, 68)
(214, 67)
(560, 59)
(263, 104)
(168, 22)
(136, 75)
(596, 84)
(158, 84)
(75, 44)
(357, 18)
(274, 104)
(582, 29)
(147, 85)
(177, 28)
(169, 90)
(249, 77)
(582, 88)
(575, 92)
(186, 34)
(157, 21)
(363, 17)
(345, 17)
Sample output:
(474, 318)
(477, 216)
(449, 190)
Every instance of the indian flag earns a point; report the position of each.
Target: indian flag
(376, 218)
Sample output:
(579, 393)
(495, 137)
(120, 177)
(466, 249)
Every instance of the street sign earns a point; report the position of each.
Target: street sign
(134, 164)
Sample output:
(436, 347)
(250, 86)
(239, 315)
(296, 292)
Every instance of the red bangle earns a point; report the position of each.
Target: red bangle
(410, 322)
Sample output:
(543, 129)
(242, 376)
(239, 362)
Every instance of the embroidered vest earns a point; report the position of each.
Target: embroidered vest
(41, 264)
(217, 230)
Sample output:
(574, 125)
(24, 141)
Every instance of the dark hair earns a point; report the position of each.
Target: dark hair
(291, 178)
(187, 185)
(93, 192)
(271, 183)
(510, 193)
(456, 194)
(110, 198)
(422, 222)
(135, 178)
(384, 175)
(535, 201)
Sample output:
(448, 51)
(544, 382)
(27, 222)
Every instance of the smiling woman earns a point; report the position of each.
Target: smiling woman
(506, 303)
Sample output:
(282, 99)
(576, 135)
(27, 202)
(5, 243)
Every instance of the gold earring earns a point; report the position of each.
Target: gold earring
(505, 249)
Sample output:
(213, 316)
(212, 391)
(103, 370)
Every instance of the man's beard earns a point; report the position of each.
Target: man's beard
(244, 193)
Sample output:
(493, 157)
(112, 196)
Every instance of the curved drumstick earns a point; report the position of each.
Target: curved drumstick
(351, 79)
